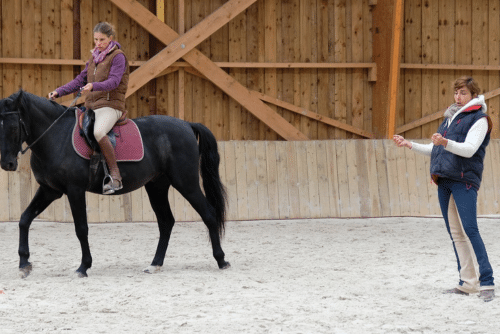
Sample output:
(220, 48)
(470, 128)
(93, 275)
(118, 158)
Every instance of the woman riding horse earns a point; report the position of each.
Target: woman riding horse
(104, 81)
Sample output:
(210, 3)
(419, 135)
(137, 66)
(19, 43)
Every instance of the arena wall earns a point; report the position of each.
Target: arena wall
(284, 180)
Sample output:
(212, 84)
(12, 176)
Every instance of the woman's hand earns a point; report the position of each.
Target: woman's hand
(438, 139)
(87, 88)
(53, 95)
(401, 142)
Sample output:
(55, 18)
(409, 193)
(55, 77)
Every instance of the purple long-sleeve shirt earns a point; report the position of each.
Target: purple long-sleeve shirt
(116, 71)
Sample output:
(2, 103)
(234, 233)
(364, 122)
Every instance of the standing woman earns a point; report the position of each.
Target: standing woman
(104, 83)
(457, 153)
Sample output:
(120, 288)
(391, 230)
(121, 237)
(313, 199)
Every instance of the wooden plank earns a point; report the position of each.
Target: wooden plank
(323, 179)
(364, 189)
(254, 49)
(324, 85)
(373, 182)
(493, 152)
(486, 194)
(270, 55)
(382, 178)
(251, 180)
(343, 179)
(493, 58)
(413, 185)
(235, 54)
(412, 79)
(357, 56)
(313, 177)
(422, 177)
(272, 180)
(340, 51)
(264, 180)
(231, 185)
(241, 180)
(305, 38)
(392, 177)
(292, 179)
(282, 173)
(304, 198)
(430, 55)
(333, 184)
(86, 26)
(67, 37)
(352, 172)
(93, 215)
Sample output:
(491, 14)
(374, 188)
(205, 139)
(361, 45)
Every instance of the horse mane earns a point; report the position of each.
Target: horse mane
(29, 99)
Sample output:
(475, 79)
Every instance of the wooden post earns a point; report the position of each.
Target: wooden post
(397, 27)
(386, 53)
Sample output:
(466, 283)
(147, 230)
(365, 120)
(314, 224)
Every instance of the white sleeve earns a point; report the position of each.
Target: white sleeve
(474, 139)
(424, 149)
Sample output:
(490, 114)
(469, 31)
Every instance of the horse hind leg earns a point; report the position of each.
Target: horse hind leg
(158, 197)
(207, 213)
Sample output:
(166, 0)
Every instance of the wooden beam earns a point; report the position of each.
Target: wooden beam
(397, 28)
(438, 115)
(313, 115)
(381, 36)
(302, 111)
(185, 43)
(210, 70)
(450, 67)
(136, 63)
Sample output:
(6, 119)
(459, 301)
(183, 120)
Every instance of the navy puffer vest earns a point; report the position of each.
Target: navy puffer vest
(455, 167)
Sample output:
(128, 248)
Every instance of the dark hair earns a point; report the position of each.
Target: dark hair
(105, 28)
(469, 83)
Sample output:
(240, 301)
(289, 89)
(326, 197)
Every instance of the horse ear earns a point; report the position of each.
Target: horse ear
(18, 99)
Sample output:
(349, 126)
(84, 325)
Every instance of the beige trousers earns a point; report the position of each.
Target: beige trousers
(105, 119)
(469, 269)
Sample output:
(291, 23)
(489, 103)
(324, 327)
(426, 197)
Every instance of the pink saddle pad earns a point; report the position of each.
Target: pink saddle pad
(129, 145)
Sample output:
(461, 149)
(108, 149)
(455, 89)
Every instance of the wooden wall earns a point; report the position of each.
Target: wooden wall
(311, 34)
(444, 40)
(286, 180)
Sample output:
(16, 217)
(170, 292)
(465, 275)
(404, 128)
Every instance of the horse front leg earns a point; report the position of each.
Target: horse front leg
(76, 198)
(42, 199)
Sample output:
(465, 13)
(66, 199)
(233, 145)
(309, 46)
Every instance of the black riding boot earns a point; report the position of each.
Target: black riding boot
(108, 151)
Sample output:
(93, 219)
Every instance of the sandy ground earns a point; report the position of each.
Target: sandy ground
(381, 275)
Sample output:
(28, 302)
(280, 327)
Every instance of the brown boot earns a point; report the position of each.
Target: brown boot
(108, 151)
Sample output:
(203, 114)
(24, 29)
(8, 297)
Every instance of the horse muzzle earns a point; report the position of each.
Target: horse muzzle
(9, 165)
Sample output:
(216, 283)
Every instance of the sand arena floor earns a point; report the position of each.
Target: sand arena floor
(383, 275)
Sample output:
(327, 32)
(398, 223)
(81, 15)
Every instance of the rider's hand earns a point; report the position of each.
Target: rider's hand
(53, 95)
(87, 88)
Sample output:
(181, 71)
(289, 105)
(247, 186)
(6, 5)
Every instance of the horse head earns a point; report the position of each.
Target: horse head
(12, 131)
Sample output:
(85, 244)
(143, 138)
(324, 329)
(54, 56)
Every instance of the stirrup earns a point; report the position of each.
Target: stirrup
(109, 188)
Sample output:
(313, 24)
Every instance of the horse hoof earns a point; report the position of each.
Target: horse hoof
(25, 271)
(152, 269)
(80, 274)
(226, 265)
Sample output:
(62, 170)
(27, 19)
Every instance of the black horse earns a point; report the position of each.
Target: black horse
(176, 152)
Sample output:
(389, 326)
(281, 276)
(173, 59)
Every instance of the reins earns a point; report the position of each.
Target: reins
(58, 118)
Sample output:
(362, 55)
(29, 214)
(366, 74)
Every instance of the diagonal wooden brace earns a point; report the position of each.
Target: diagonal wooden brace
(184, 46)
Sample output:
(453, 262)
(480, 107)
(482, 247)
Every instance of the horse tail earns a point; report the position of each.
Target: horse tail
(215, 191)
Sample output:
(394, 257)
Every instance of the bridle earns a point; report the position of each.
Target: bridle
(25, 129)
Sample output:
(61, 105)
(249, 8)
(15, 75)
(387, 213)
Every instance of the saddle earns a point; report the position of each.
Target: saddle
(125, 137)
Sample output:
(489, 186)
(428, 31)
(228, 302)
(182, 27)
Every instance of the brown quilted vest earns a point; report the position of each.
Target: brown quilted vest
(114, 98)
